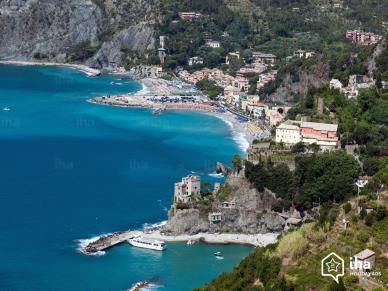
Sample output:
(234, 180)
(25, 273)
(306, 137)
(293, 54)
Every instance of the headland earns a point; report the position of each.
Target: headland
(83, 68)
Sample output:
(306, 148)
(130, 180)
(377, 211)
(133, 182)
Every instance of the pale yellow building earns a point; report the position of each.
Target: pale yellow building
(288, 133)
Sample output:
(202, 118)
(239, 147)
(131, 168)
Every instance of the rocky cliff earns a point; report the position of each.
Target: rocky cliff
(249, 211)
(49, 29)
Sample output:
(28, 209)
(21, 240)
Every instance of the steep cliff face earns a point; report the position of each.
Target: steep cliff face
(315, 76)
(48, 27)
(51, 28)
(250, 213)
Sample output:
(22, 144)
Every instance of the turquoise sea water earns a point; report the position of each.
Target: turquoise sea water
(72, 170)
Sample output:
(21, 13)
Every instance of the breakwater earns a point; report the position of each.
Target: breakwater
(105, 242)
(165, 102)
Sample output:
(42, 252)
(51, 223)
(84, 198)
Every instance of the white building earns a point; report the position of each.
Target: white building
(288, 133)
(213, 44)
(229, 56)
(335, 84)
(190, 185)
(195, 61)
(364, 260)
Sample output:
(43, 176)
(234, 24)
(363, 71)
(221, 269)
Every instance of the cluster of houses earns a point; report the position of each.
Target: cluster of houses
(363, 38)
(356, 82)
(266, 78)
(261, 62)
(215, 74)
(292, 132)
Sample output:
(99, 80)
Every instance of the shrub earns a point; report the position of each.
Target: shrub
(363, 213)
(313, 233)
(380, 230)
(363, 237)
(347, 207)
(182, 206)
(354, 218)
(370, 219)
(82, 51)
(292, 245)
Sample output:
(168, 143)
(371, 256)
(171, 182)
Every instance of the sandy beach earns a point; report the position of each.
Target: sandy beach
(218, 238)
(97, 246)
(243, 132)
(85, 69)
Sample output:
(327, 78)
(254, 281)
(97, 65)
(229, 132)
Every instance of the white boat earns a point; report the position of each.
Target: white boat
(216, 175)
(190, 242)
(146, 243)
(219, 256)
(6, 108)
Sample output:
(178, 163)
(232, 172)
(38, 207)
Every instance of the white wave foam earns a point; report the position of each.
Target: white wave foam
(241, 140)
(238, 134)
(148, 226)
(83, 243)
(144, 90)
(149, 286)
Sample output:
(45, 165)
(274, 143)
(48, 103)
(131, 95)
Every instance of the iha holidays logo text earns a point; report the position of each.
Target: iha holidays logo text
(361, 264)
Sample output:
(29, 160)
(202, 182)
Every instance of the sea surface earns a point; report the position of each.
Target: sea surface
(72, 170)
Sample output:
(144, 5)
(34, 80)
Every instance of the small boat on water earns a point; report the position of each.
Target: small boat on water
(218, 255)
(190, 242)
(6, 108)
(157, 111)
(216, 175)
(146, 243)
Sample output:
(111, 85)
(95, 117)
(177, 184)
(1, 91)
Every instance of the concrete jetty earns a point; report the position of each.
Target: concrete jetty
(108, 241)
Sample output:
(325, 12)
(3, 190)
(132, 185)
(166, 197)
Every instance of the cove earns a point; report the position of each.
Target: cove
(71, 170)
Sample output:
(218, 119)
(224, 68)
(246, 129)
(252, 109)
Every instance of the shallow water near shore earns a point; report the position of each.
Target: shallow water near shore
(72, 170)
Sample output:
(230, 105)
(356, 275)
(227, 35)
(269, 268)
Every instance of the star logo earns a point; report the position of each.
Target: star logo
(333, 266)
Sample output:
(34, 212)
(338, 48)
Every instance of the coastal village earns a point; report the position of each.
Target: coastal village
(302, 89)
(234, 211)
(249, 112)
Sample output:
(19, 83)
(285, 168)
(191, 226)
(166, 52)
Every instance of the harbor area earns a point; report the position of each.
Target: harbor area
(106, 242)
(161, 94)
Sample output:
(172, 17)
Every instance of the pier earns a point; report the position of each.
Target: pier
(108, 241)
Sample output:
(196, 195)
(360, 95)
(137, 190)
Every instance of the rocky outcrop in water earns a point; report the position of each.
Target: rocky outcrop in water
(246, 211)
(223, 169)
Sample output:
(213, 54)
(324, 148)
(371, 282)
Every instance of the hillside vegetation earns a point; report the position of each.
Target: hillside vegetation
(294, 262)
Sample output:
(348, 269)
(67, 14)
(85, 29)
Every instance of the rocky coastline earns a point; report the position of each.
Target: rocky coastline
(83, 68)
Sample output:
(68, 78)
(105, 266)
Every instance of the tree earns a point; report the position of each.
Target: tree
(314, 147)
(347, 207)
(206, 189)
(237, 163)
(334, 286)
(298, 148)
